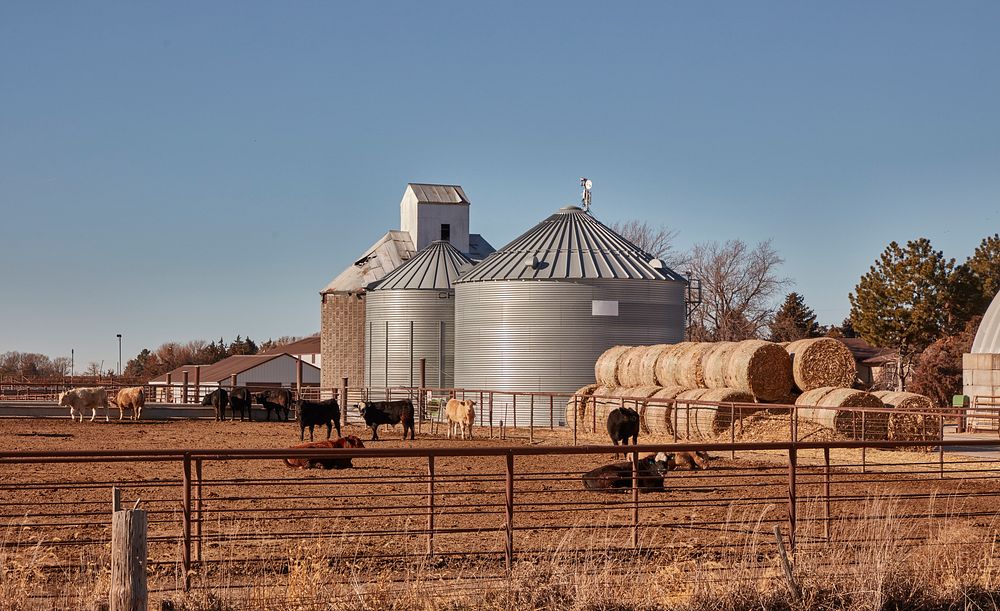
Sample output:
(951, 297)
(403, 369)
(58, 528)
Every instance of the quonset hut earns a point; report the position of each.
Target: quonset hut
(536, 314)
(409, 315)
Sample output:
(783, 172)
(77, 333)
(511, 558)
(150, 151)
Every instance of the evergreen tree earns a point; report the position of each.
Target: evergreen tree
(901, 302)
(144, 365)
(985, 266)
(794, 320)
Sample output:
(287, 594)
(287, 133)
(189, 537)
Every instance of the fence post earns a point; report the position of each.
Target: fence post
(514, 408)
(184, 388)
(298, 378)
(128, 560)
(197, 508)
(531, 419)
(509, 525)
(635, 500)
(792, 461)
(732, 427)
(673, 412)
(864, 449)
(430, 506)
(343, 402)
(423, 392)
(169, 394)
(491, 414)
(197, 384)
(941, 446)
(186, 559)
(826, 493)
(576, 415)
(552, 411)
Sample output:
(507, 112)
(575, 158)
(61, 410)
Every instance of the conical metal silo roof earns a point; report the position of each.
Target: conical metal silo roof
(434, 268)
(570, 244)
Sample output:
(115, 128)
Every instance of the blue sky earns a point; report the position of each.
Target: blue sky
(183, 170)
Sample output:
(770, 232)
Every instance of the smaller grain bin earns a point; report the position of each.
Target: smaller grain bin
(410, 315)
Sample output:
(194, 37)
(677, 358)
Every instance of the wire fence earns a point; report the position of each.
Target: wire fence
(244, 517)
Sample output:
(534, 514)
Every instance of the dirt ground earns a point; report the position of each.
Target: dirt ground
(258, 517)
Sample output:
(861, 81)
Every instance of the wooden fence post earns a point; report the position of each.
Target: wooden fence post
(128, 561)
(197, 384)
(184, 388)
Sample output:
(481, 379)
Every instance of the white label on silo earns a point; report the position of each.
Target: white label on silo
(604, 308)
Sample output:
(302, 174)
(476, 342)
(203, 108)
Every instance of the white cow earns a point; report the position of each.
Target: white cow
(461, 416)
(79, 399)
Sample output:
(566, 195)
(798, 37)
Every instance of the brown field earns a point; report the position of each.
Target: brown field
(274, 537)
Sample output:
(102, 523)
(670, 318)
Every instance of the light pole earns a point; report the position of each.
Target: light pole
(72, 361)
(119, 354)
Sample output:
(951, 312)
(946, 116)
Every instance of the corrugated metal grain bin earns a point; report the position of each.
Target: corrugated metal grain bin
(409, 315)
(536, 314)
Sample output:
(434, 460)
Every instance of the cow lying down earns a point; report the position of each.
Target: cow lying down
(617, 477)
(350, 441)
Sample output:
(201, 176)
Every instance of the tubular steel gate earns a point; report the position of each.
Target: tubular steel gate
(243, 519)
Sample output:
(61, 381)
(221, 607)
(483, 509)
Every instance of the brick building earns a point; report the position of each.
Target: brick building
(427, 213)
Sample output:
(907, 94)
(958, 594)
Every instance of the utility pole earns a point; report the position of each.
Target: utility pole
(119, 354)
(72, 362)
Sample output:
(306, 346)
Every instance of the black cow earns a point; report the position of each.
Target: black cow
(313, 413)
(240, 399)
(617, 477)
(623, 422)
(277, 400)
(219, 399)
(376, 413)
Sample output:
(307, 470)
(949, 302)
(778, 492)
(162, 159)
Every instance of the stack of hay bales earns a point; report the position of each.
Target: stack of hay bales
(830, 407)
(697, 420)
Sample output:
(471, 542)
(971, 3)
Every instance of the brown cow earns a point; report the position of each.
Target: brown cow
(350, 441)
(692, 460)
(133, 398)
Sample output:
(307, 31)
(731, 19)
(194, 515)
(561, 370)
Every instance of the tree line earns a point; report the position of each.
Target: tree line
(171, 355)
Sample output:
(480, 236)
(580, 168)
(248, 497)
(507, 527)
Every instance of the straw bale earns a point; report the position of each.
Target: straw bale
(606, 367)
(667, 364)
(821, 361)
(630, 366)
(647, 364)
(633, 395)
(580, 404)
(716, 362)
(821, 405)
(760, 368)
(690, 366)
(915, 420)
(697, 420)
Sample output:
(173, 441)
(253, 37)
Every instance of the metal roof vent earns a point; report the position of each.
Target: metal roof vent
(531, 262)
(657, 264)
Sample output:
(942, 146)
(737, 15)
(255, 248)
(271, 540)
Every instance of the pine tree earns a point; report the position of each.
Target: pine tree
(794, 320)
(985, 266)
(901, 302)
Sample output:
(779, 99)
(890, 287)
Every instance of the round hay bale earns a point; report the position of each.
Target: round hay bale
(760, 368)
(658, 418)
(698, 420)
(690, 370)
(666, 364)
(647, 364)
(580, 404)
(631, 397)
(716, 362)
(915, 420)
(603, 400)
(630, 366)
(821, 361)
(606, 367)
(821, 405)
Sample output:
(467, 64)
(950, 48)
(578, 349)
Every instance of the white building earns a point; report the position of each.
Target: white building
(258, 371)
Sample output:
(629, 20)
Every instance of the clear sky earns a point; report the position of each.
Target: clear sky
(176, 171)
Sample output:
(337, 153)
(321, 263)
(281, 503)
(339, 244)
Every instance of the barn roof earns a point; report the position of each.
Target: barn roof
(389, 252)
(306, 345)
(434, 268)
(438, 194)
(224, 369)
(570, 244)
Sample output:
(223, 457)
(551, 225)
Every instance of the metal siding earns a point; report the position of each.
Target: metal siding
(988, 335)
(541, 335)
(281, 370)
(426, 310)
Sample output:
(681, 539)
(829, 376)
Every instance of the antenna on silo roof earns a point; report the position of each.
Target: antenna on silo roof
(587, 185)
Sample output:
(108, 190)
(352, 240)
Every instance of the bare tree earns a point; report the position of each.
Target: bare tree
(93, 369)
(739, 284)
(657, 241)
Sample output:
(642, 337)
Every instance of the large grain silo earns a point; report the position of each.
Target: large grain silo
(536, 314)
(409, 315)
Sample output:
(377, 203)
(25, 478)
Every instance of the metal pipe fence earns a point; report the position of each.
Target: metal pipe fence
(484, 507)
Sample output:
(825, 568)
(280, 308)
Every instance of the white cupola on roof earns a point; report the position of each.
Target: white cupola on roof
(435, 212)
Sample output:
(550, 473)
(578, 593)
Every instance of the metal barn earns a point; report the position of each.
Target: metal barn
(409, 315)
(536, 314)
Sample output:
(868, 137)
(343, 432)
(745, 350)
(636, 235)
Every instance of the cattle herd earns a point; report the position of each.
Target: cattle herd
(622, 425)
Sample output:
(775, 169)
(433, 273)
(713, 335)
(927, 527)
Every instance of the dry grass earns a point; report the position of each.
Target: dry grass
(879, 566)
